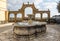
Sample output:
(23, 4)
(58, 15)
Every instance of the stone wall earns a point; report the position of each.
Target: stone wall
(2, 9)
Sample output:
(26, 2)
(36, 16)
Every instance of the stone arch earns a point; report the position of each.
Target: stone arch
(41, 12)
(25, 6)
(28, 5)
(11, 17)
(18, 17)
(37, 16)
(28, 10)
(45, 15)
(23, 14)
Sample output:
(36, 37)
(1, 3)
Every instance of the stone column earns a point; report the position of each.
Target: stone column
(22, 14)
(15, 17)
(6, 16)
(48, 15)
(34, 13)
(41, 17)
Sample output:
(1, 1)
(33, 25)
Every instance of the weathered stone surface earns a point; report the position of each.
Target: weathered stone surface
(24, 28)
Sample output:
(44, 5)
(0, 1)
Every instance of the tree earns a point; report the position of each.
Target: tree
(58, 7)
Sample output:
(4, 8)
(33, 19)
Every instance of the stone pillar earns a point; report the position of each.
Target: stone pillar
(34, 16)
(48, 15)
(15, 17)
(34, 13)
(6, 16)
(22, 14)
(41, 17)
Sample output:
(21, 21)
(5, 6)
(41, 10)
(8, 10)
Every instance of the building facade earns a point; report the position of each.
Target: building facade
(3, 8)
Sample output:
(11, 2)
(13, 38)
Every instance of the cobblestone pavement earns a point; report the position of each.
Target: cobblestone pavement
(52, 34)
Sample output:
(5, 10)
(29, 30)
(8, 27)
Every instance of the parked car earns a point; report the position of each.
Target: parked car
(54, 19)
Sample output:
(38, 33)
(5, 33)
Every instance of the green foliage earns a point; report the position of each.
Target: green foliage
(58, 7)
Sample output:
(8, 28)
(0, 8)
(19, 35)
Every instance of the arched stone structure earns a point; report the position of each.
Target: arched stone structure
(22, 12)
(28, 10)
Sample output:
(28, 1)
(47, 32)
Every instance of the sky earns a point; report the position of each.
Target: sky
(39, 4)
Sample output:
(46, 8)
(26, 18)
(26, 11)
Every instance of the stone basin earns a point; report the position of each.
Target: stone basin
(24, 28)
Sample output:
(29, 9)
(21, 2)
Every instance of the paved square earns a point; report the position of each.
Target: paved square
(52, 34)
